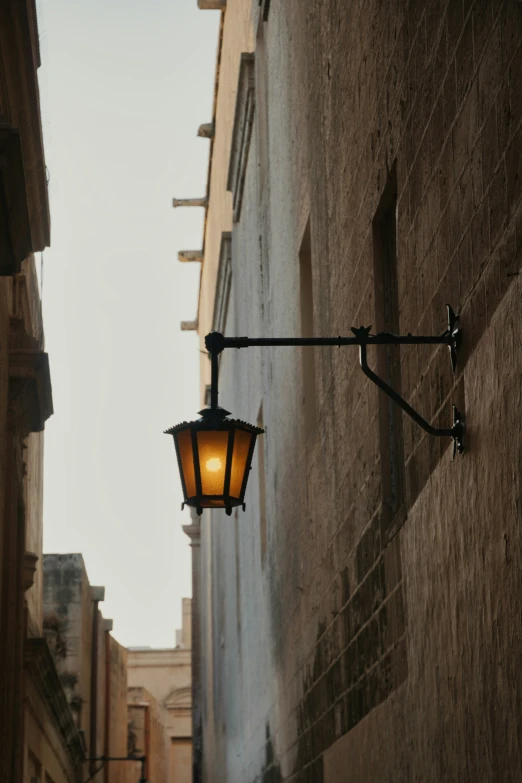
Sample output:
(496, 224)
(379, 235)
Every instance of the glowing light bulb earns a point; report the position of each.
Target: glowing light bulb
(214, 464)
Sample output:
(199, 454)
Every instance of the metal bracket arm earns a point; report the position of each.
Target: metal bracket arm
(105, 759)
(215, 343)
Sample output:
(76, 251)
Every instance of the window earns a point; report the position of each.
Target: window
(262, 488)
(307, 330)
(241, 132)
(263, 158)
(262, 109)
(223, 283)
(388, 356)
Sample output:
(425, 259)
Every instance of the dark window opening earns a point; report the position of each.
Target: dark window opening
(388, 356)
(262, 488)
(307, 330)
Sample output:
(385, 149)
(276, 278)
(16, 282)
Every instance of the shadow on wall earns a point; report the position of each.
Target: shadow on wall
(271, 770)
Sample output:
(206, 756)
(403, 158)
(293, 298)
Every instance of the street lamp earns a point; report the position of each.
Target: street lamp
(214, 455)
(215, 452)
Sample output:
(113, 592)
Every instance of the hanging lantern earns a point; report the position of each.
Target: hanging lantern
(214, 456)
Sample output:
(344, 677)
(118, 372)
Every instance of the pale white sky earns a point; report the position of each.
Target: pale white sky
(124, 85)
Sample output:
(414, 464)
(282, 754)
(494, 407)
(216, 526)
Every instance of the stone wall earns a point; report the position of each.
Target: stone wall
(25, 391)
(369, 644)
(118, 712)
(67, 595)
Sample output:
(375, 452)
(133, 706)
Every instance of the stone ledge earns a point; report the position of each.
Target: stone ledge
(212, 5)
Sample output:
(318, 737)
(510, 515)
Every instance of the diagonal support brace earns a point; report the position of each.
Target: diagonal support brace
(455, 432)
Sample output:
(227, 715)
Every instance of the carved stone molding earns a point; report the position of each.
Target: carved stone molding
(189, 326)
(189, 256)
(241, 131)
(178, 699)
(97, 593)
(30, 394)
(206, 131)
(190, 202)
(194, 533)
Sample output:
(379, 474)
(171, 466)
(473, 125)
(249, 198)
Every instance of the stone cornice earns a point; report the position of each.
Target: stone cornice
(39, 664)
(168, 657)
(194, 533)
(211, 5)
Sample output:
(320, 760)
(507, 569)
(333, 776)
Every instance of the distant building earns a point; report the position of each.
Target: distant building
(92, 666)
(360, 622)
(147, 734)
(163, 678)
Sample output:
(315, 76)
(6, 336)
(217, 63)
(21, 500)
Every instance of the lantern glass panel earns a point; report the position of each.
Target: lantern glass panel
(212, 447)
(242, 441)
(184, 439)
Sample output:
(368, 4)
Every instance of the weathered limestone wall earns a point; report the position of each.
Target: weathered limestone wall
(147, 723)
(44, 751)
(30, 306)
(164, 673)
(166, 676)
(69, 596)
(357, 650)
(118, 712)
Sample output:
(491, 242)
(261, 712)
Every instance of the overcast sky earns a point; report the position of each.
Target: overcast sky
(124, 86)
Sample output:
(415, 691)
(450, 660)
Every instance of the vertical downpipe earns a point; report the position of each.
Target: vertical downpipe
(147, 740)
(97, 595)
(106, 750)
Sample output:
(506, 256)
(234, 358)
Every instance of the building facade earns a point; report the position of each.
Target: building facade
(34, 714)
(160, 691)
(361, 620)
